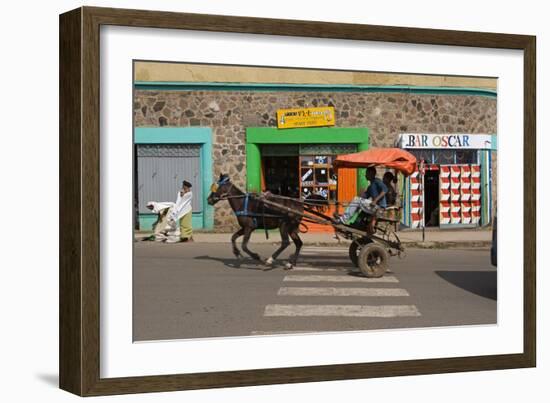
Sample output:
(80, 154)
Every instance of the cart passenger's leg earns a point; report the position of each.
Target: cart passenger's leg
(247, 233)
(284, 244)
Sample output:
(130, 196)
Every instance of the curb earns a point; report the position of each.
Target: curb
(477, 244)
(407, 245)
(449, 245)
(415, 245)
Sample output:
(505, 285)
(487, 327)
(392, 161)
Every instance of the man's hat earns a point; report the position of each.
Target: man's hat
(187, 184)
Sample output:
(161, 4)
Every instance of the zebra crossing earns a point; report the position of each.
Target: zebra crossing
(342, 288)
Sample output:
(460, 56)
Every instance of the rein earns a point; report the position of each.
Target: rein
(244, 209)
(244, 212)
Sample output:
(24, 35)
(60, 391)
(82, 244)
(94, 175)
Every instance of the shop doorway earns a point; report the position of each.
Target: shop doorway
(431, 198)
(281, 175)
(298, 163)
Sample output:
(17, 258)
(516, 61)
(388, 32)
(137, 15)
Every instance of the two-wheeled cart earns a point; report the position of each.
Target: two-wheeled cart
(372, 231)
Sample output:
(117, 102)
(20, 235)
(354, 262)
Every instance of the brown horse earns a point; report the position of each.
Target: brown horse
(254, 214)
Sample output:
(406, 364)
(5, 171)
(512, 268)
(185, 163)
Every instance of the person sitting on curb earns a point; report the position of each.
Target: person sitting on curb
(160, 227)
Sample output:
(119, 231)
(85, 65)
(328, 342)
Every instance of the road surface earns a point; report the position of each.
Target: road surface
(200, 290)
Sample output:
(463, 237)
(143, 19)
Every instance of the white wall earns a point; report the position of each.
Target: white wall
(28, 166)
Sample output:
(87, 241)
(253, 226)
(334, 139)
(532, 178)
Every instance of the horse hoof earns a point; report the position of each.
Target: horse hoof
(289, 266)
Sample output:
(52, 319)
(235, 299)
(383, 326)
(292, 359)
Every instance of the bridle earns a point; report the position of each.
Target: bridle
(227, 194)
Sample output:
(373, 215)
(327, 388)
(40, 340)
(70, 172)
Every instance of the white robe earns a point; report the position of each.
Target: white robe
(162, 228)
(159, 206)
(182, 207)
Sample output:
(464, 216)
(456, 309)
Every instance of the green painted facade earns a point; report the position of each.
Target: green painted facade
(256, 136)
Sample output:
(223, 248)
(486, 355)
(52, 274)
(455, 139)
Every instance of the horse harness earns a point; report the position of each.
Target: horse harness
(263, 215)
(245, 210)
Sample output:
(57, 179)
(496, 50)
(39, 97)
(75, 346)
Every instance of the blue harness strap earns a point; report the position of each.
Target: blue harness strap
(244, 211)
(245, 208)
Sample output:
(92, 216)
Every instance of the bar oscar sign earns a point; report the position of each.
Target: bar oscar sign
(451, 141)
(305, 117)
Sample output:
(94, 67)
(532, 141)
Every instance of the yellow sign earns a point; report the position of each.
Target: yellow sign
(306, 117)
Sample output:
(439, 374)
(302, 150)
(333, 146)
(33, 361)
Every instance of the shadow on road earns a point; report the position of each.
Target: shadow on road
(482, 283)
(250, 264)
(234, 263)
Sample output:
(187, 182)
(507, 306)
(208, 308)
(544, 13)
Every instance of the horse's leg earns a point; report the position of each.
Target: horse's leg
(234, 238)
(298, 242)
(247, 233)
(284, 244)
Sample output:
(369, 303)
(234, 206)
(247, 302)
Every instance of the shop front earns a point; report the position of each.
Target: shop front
(163, 159)
(453, 187)
(298, 163)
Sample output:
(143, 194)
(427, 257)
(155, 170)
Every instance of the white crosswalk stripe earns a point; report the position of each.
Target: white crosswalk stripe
(340, 279)
(323, 252)
(319, 269)
(343, 292)
(324, 249)
(383, 311)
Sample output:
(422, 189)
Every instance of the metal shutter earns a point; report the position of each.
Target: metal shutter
(161, 169)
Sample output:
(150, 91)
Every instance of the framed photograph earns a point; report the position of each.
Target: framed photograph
(250, 201)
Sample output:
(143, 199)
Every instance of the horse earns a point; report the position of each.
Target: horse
(252, 213)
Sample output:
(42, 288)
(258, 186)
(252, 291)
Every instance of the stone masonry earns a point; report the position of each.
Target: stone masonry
(386, 115)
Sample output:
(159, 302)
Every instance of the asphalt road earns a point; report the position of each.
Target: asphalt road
(200, 290)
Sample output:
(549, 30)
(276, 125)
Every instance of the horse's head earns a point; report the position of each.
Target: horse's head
(219, 189)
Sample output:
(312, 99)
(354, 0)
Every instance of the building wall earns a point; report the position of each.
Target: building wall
(386, 114)
(189, 72)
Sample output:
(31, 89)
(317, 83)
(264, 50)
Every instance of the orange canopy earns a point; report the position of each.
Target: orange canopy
(395, 158)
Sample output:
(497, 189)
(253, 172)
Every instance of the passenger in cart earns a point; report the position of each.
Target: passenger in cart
(370, 200)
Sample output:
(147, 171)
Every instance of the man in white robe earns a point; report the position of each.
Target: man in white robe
(180, 218)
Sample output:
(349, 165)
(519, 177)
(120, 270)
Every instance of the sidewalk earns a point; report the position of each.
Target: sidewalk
(478, 238)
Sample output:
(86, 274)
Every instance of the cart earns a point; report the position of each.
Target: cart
(371, 245)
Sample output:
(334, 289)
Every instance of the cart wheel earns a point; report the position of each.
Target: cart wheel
(373, 260)
(355, 248)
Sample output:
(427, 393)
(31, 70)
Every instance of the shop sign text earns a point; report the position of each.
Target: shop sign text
(305, 117)
(475, 141)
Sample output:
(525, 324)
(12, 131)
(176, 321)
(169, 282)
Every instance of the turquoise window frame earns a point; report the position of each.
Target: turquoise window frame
(183, 135)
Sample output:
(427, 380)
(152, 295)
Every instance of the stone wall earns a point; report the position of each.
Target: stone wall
(386, 115)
